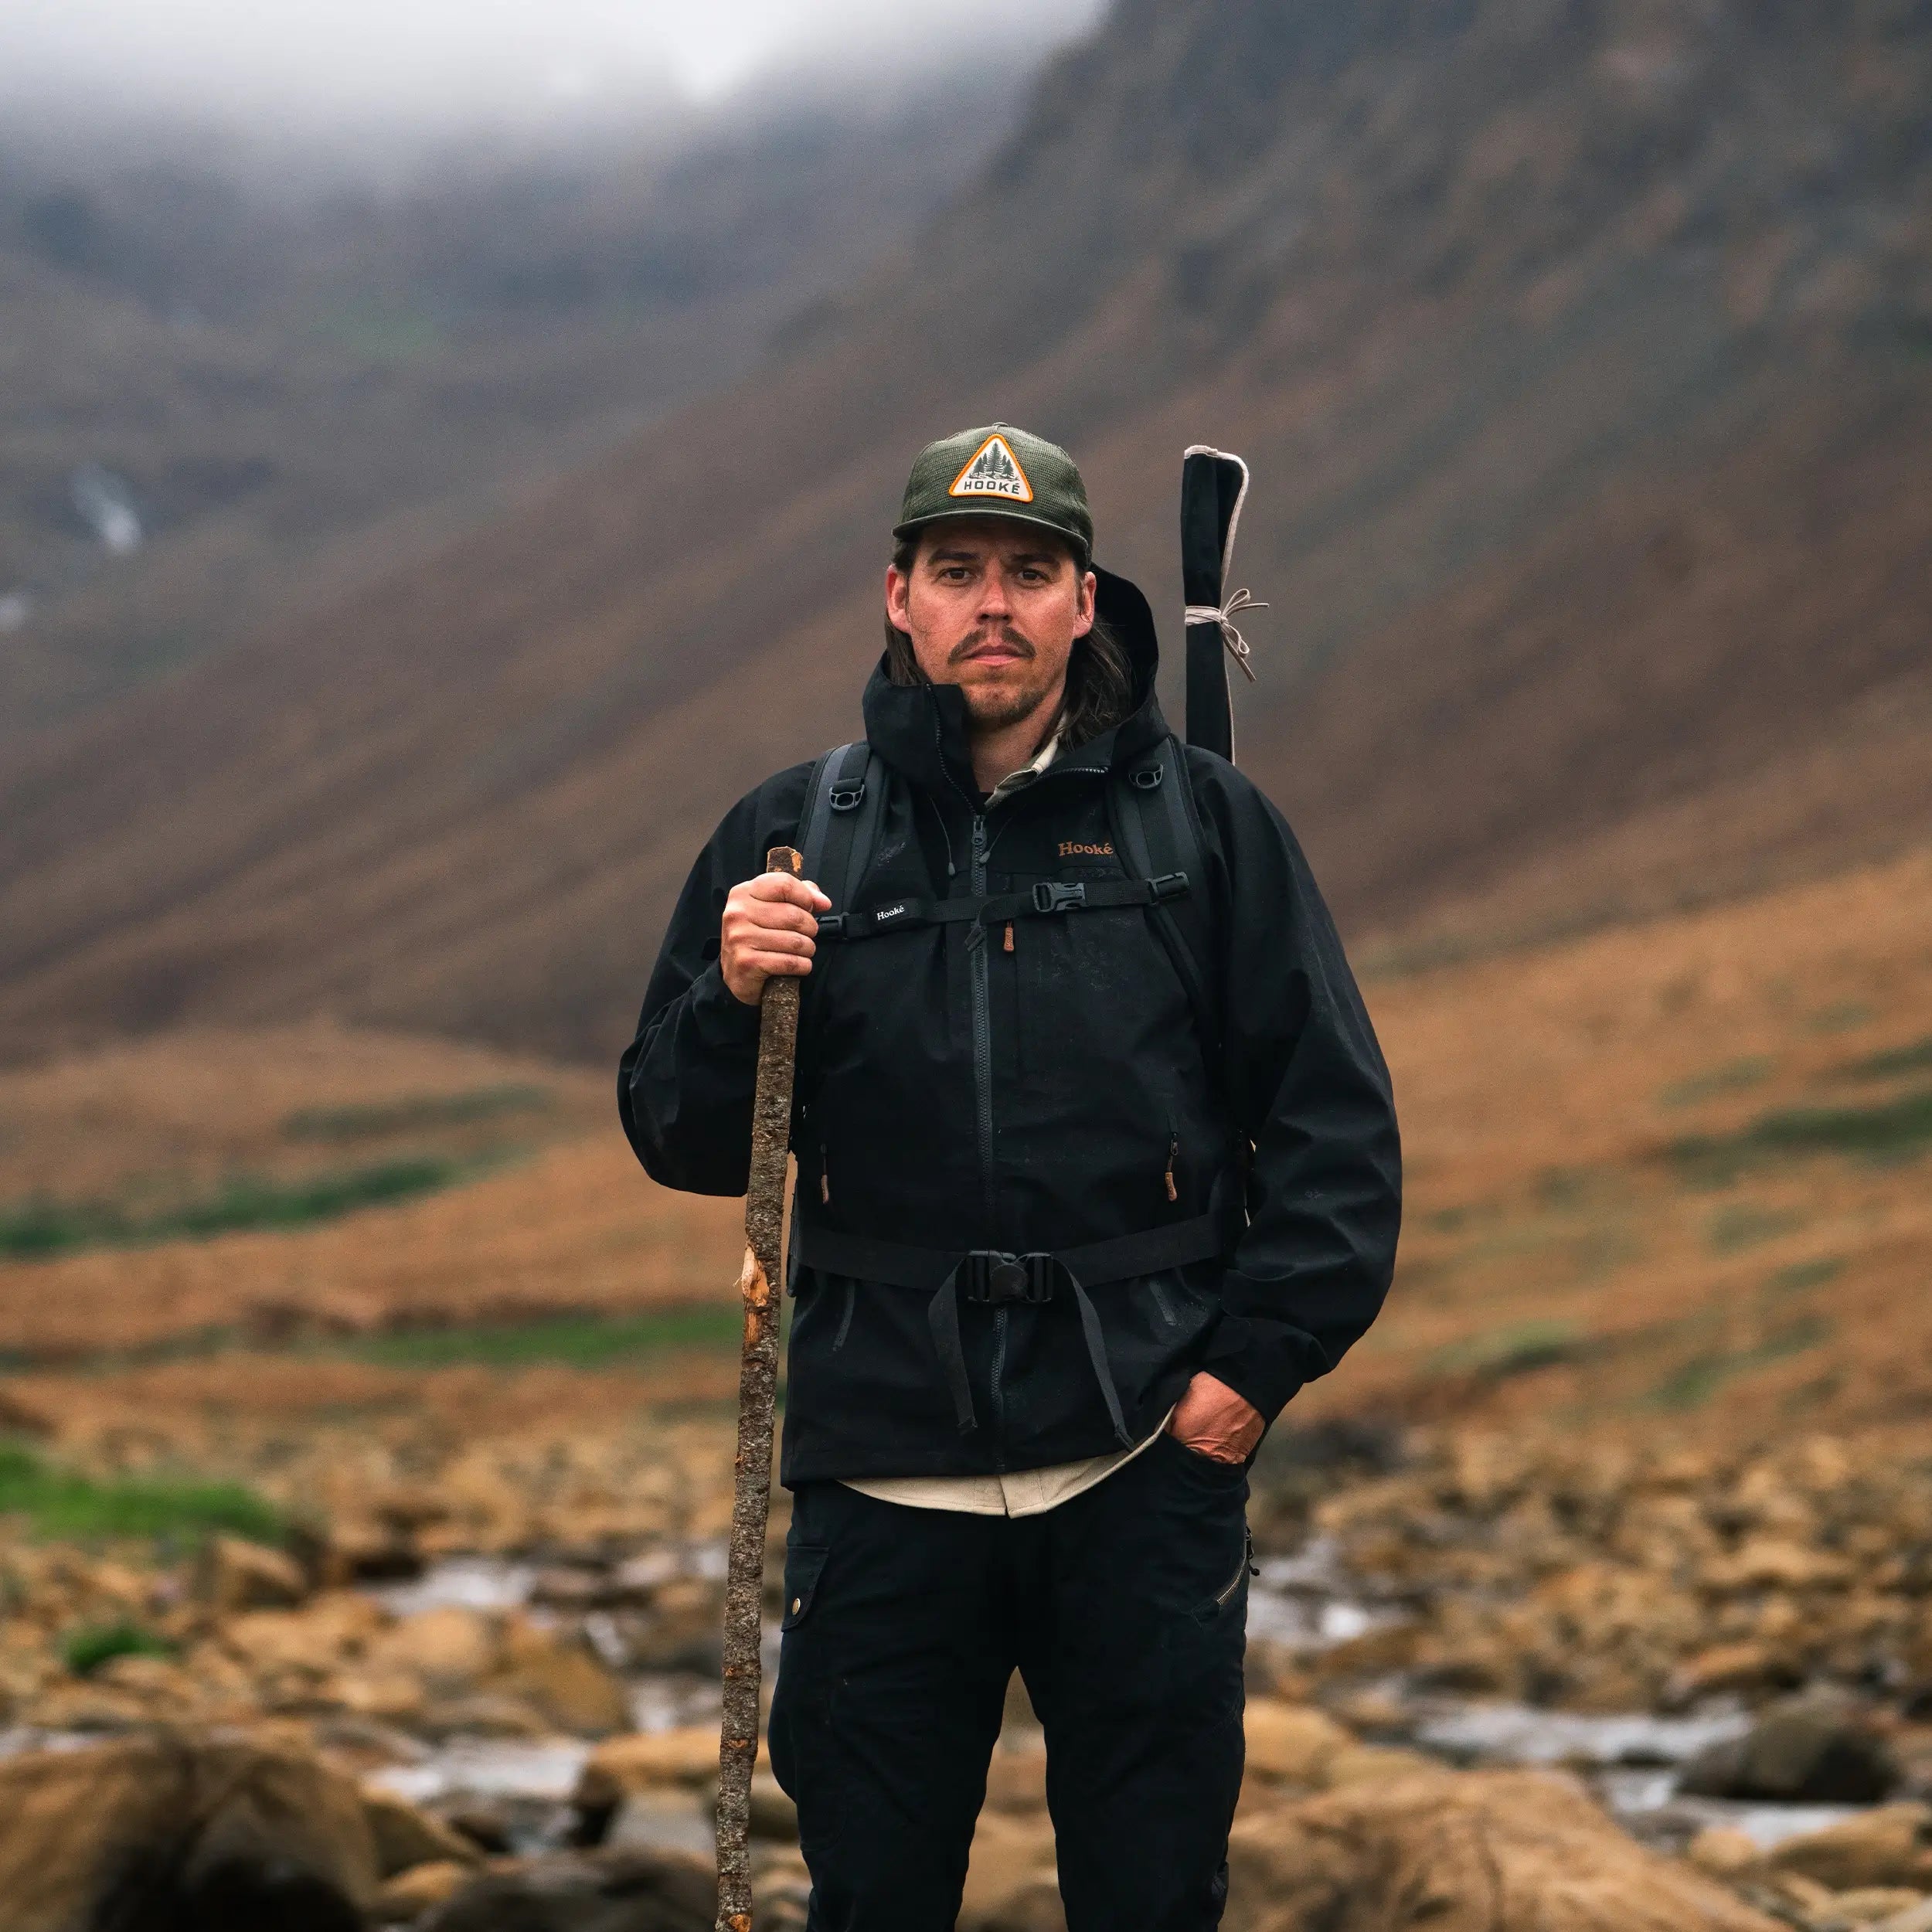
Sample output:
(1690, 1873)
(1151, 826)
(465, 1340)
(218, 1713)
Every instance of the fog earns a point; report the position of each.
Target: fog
(349, 70)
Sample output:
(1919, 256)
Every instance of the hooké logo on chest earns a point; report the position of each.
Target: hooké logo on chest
(1073, 848)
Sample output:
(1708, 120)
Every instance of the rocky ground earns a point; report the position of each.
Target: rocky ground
(1595, 1684)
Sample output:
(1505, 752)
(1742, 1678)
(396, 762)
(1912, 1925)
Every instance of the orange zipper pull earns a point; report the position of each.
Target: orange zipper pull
(1008, 946)
(1173, 1154)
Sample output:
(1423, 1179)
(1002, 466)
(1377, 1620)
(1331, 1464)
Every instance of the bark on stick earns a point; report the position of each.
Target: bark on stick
(761, 1284)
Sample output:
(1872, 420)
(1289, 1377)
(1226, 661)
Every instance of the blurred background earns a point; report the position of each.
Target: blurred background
(447, 455)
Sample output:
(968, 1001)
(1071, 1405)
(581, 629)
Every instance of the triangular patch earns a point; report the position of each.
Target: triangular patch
(994, 471)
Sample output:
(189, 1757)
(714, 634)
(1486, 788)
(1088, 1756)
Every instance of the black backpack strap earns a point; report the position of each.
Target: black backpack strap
(845, 797)
(1157, 827)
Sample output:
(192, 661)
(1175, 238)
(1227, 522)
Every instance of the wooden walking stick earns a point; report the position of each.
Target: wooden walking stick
(761, 1283)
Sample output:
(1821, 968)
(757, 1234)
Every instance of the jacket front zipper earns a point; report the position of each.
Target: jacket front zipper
(977, 950)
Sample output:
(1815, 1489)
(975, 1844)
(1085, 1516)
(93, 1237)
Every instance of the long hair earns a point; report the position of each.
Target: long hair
(1100, 681)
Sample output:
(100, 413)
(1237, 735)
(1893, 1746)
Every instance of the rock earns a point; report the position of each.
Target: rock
(1805, 1752)
(1365, 1763)
(1892, 1845)
(1291, 1743)
(369, 1553)
(450, 1648)
(389, 1696)
(1466, 1852)
(1872, 1905)
(1766, 1563)
(562, 1680)
(485, 1827)
(404, 1836)
(182, 1828)
(332, 1625)
(1016, 1781)
(671, 1819)
(1730, 1667)
(411, 1893)
(1914, 1918)
(1011, 1861)
(231, 1575)
(587, 1892)
(1724, 1851)
(644, 1759)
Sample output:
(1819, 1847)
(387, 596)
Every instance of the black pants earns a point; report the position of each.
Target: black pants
(1125, 1611)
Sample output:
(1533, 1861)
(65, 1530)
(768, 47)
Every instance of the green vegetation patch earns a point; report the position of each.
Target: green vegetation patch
(35, 1229)
(85, 1650)
(1890, 1130)
(1734, 1077)
(578, 1341)
(1518, 1349)
(1807, 1274)
(1744, 1225)
(62, 1503)
(412, 1113)
(1694, 1382)
(1914, 1059)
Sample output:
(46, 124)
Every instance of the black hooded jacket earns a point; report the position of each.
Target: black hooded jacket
(1064, 1097)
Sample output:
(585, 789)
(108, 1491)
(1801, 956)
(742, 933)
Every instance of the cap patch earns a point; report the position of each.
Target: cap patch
(994, 470)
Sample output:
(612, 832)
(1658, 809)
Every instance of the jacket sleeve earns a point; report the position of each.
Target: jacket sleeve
(684, 1083)
(1307, 1086)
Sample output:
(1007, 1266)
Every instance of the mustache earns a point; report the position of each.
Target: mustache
(979, 639)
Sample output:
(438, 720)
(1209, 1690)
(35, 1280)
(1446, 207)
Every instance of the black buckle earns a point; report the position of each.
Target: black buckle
(849, 797)
(832, 926)
(1170, 885)
(1146, 779)
(1050, 896)
(991, 1275)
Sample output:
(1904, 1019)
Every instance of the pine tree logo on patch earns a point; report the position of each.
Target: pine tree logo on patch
(994, 471)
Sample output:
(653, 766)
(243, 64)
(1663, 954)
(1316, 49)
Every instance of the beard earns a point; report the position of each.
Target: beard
(1015, 696)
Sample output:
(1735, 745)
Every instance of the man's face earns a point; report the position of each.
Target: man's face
(993, 606)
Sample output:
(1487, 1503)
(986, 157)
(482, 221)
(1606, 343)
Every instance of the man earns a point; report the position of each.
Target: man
(1027, 1450)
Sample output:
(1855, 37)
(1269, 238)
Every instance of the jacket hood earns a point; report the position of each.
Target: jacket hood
(920, 730)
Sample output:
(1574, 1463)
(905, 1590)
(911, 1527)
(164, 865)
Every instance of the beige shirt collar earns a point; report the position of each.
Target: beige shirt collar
(1017, 780)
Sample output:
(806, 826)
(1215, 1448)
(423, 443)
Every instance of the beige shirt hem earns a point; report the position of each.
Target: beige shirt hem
(1027, 1492)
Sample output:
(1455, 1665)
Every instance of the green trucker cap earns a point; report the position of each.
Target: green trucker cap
(998, 470)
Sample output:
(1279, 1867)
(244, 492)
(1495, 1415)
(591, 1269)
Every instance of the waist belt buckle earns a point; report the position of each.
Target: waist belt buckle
(992, 1276)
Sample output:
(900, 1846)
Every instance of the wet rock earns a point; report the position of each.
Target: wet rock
(669, 1820)
(409, 1894)
(486, 1827)
(1874, 1905)
(684, 1631)
(168, 1829)
(1471, 1852)
(232, 1575)
(1891, 1845)
(403, 1836)
(1807, 1751)
(587, 1892)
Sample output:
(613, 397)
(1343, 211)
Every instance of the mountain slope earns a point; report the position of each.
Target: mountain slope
(1584, 352)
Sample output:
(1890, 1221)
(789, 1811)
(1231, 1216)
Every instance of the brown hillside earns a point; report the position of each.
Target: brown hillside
(1581, 354)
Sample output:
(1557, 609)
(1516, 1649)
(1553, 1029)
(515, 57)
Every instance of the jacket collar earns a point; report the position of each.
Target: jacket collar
(920, 730)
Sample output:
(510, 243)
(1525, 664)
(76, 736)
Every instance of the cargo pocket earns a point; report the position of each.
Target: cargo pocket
(803, 1566)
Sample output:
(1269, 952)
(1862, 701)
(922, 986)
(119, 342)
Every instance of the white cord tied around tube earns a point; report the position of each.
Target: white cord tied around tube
(1231, 632)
